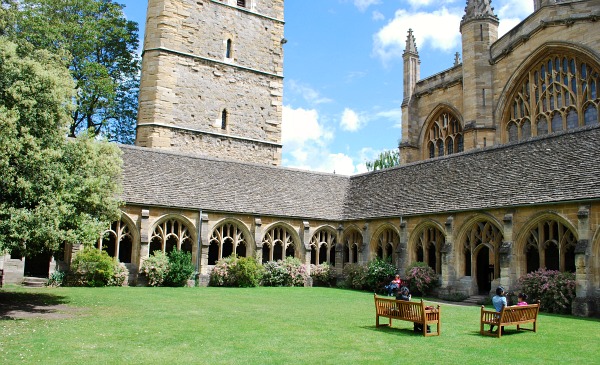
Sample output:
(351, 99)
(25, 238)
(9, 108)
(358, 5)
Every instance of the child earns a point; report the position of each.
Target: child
(394, 285)
(522, 297)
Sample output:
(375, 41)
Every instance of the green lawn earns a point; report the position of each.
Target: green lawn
(265, 326)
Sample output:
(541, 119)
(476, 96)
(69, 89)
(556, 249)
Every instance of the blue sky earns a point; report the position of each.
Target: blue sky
(343, 71)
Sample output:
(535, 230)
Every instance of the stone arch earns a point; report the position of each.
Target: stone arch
(322, 244)
(172, 231)
(443, 128)
(120, 240)
(352, 241)
(384, 243)
(523, 103)
(595, 259)
(229, 236)
(480, 234)
(533, 236)
(426, 234)
(279, 241)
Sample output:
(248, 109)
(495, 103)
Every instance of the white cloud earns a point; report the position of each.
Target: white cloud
(362, 5)
(351, 121)
(511, 13)
(377, 16)
(438, 29)
(307, 93)
(300, 126)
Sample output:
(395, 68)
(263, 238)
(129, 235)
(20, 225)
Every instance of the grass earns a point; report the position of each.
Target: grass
(265, 326)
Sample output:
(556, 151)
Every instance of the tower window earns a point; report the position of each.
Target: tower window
(228, 49)
(241, 3)
(224, 119)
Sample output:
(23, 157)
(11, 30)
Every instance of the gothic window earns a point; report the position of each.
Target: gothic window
(386, 242)
(241, 3)
(169, 235)
(551, 245)
(483, 233)
(117, 241)
(280, 242)
(444, 136)
(428, 248)
(555, 93)
(323, 245)
(352, 241)
(226, 239)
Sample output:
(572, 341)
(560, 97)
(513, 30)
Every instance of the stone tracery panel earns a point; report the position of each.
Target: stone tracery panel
(171, 234)
(444, 135)
(385, 244)
(117, 241)
(352, 242)
(278, 243)
(322, 246)
(550, 244)
(226, 239)
(428, 247)
(560, 92)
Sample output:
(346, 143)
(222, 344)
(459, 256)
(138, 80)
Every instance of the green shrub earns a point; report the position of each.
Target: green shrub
(180, 268)
(421, 278)
(554, 289)
(354, 276)
(155, 268)
(322, 275)
(92, 267)
(220, 274)
(246, 272)
(379, 274)
(57, 278)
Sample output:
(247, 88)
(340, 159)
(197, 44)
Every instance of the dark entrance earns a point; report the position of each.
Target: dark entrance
(38, 265)
(484, 279)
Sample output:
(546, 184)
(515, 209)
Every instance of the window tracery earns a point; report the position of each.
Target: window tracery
(323, 247)
(117, 241)
(386, 244)
(352, 241)
(444, 136)
(226, 239)
(558, 93)
(429, 246)
(278, 244)
(169, 235)
(550, 244)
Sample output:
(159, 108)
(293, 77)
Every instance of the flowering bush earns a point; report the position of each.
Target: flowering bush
(554, 289)
(236, 271)
(354, 276)
(120, 276)
(155, 268)
(322, 275)
(289, 272)
(379, 274)
(421, 278)
(180, 268)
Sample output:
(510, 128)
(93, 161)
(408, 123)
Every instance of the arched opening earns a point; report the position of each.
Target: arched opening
(213, 253)
(240, 250)
(485, 270)
(332, 255)
(313, 255)
(266, 253)
(227, 247)
(322, 254)
(532, 258)
(552, 256)
(277, 251)
(290, 251)
(125, 248)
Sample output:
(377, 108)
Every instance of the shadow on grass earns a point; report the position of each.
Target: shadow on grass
(18, 305)
(393, 330)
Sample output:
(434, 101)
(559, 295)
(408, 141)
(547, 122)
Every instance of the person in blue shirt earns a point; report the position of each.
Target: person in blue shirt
(499, 302)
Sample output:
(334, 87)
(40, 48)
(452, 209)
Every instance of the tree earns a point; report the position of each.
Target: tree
(104, 63)
(52, 189)
(385, 160)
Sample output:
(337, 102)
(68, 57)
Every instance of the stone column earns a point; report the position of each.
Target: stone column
(305, 237)
(363, 249)
(402, 249)
(448, 276)
(339, 251)
(258, 238)
(582, 304)
(507, 258)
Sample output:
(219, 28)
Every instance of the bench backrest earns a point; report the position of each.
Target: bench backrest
(519, 313)
(400, 308)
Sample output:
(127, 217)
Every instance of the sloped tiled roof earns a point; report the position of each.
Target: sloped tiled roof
(158, 178)
(556, 168)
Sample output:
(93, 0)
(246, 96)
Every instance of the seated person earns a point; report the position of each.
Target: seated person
(499, 302)
(522, 299)
(404, 294)
(394, 285)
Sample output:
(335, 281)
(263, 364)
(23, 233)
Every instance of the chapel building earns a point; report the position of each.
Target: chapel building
(500, 172)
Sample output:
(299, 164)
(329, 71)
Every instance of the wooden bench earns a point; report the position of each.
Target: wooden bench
(415, 312)
(509, 316)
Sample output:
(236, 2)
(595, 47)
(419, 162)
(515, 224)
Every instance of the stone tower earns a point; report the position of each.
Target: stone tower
(479, 29)
(212, 78)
